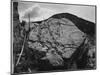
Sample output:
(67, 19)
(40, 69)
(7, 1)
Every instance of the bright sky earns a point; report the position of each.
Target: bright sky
(41, 11)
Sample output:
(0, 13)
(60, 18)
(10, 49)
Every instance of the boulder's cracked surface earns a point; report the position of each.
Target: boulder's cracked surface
(56, 32)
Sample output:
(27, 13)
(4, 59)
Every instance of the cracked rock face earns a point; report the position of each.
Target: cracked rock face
(58, 34)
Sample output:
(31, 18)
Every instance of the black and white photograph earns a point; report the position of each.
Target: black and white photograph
(52, 37)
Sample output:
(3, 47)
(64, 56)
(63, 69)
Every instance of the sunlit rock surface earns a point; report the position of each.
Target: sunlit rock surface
(54, 33)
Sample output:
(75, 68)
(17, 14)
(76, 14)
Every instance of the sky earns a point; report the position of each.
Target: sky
(40, 11)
